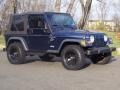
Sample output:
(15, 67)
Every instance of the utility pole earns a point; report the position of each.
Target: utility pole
(15, 6)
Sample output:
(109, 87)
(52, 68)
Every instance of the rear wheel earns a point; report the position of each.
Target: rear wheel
(101, 59)
(73, 57)
(16, 53)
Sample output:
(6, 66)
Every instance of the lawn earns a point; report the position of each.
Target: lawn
(116, 41)
(2, 42)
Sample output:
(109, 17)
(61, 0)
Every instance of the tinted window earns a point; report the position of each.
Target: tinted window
(36, 21)
(17, 23)
(61, 19)
(13, 27)
(20, 26)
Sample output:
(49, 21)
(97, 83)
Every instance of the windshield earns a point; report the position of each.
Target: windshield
(61, 20)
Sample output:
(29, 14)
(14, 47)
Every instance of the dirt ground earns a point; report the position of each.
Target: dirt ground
(39, 75)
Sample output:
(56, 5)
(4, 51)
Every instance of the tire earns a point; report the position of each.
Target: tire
(102, 59)
(73, 57)
(46, 57)
(16, 53)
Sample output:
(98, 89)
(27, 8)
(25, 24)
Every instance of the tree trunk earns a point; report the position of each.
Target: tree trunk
(15, 6)
(85, 13)
(57, 5)
(70, 6)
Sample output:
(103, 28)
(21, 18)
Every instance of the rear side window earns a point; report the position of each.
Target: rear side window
(17, 24)
(13, 27)
(20, 26)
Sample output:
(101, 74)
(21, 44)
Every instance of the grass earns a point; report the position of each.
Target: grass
(2, 41)
(116, 41)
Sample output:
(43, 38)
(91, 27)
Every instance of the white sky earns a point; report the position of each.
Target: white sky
(111, 11)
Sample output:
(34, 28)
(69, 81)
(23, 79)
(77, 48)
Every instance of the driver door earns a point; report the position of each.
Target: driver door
(38, 38)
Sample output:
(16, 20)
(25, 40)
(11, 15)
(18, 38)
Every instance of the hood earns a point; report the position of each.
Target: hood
(76, 33)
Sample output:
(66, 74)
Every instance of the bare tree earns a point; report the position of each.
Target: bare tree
(85, 6)
(116, 16)
(117, 6)
(70, 7)
(57, 5)
(15, 6)
(102, 10)
(116, 19)
(1, 1)
(6, 11)
(39, 5)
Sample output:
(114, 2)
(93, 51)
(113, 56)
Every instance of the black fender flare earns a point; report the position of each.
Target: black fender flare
(21, 40)
(62, 43)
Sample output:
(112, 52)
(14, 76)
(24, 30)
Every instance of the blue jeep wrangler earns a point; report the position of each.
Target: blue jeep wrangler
(52, 34)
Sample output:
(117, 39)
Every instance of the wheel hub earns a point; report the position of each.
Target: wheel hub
(14, 53)
(71, 58)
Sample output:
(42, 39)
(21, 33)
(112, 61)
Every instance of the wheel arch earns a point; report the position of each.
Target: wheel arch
(68, 43)
(18, 39)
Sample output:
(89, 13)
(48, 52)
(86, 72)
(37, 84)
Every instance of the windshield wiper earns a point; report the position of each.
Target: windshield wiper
(55, 25)
(69, 26)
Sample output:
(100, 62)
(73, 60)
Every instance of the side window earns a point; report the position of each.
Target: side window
(20, 26)
(17, 24)
(36, 21)
(13, 27)
(37, 24)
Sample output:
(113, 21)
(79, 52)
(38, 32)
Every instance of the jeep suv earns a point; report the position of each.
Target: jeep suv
(50, 34)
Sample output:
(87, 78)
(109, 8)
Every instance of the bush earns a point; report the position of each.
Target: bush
(103, 26)
(118, 35)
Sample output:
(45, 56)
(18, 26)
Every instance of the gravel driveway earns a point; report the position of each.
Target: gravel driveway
(39, 75)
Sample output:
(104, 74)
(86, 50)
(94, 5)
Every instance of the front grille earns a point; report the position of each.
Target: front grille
(99, 41)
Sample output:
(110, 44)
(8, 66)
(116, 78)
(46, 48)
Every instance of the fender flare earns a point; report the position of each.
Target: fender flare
(23, 42)
(62, 43)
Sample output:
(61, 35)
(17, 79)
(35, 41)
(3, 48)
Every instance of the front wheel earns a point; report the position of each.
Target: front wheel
(73, 57)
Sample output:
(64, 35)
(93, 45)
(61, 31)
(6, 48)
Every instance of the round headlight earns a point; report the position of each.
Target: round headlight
(105, 38)
(92, 39)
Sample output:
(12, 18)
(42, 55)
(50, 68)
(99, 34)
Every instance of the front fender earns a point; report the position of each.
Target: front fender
(62, 44)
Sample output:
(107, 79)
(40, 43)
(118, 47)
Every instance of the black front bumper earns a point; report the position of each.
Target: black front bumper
(100, 50)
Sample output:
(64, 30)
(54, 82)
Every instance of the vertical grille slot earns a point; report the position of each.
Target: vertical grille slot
(99, 41)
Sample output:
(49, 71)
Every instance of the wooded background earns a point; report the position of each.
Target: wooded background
(80, 7)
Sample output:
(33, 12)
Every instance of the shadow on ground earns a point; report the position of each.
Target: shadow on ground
(32, 59)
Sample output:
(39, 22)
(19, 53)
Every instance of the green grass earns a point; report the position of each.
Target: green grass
(2, 41)
(116, 41)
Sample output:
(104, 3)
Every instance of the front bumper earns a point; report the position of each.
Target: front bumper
(100, 50)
